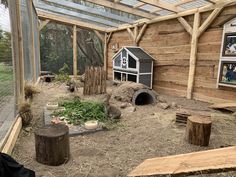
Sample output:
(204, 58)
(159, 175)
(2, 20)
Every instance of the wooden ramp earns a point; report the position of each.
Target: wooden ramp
(224, 106)
(203, 161)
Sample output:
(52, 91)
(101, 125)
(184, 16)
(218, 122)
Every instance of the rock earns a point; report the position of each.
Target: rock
(113, 112)
(164, 105)
(173, 104)
(161, 99)
(124, 105)
(131, 109)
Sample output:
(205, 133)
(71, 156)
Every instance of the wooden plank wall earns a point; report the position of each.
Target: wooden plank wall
(169, 44)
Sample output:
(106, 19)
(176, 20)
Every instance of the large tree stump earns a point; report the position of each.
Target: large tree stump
(198, 130)
(52, 144)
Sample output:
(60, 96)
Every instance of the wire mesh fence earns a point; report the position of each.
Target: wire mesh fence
(6, 67)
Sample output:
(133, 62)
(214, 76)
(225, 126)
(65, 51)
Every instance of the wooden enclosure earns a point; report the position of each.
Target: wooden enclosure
(170, 43)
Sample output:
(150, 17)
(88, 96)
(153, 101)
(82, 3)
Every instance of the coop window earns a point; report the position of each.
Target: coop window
(132, 78)
(118, 61)
(117, 76)
(132, 62)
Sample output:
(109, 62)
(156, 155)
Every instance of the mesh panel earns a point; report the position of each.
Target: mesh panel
(6, 73)
(27, 36)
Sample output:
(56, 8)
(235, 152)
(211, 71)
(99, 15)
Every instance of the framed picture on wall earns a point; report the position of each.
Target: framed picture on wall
(229, 47)
(228, 72)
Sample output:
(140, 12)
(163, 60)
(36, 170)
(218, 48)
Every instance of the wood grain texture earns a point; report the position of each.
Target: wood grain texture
(203, 161)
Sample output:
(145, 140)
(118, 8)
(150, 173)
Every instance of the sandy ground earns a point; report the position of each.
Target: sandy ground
(146, 133)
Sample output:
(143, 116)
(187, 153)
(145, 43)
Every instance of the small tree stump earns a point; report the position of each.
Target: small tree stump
(198, 130)
(52, 144)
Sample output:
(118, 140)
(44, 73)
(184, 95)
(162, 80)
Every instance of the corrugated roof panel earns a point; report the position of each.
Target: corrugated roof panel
(129, 2)
(148, 7)
(194, 4)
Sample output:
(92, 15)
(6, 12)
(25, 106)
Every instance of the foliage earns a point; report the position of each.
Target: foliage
(6, 80)
(77, 111)
(5, 46)
(5, 3)
(63, 75)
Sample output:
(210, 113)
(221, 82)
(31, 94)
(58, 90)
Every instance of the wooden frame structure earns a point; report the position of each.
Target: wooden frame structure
(73, 14)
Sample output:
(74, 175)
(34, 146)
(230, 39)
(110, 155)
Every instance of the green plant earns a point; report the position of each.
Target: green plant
(77, 111)
(63, 75)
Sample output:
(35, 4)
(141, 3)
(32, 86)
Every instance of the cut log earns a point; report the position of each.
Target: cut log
(52, 144)
(198, 130)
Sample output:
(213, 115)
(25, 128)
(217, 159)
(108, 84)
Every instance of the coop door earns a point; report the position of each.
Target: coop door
(124, 59)
(132, 62)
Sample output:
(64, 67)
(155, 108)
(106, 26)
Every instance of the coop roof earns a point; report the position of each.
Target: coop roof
(137, 52)
(111, 15)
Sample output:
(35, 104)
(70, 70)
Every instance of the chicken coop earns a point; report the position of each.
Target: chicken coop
(133, 64)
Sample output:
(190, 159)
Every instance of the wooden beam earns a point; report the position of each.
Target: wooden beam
(180, 14)
(75, 49)
(66, 20)
(131, 33)
(123, 8)
(141, 33)
(163, 5)
(32, 46)
(209, 161)
(209, 20)
(43, 23)
(139, 4)
(186, 25)
(193, 55)
(106, 42)
(11, 140)
(99, 35)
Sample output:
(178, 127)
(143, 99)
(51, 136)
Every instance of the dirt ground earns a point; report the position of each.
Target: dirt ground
(148, 132)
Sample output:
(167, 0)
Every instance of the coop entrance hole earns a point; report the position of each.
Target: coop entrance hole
(144, 97)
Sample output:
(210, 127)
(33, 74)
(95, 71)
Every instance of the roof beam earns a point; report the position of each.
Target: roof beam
(67, 20)
(91, 10)
(123, 8)
(139, 4)
(180, 14)
(78, 15)
(163, 5)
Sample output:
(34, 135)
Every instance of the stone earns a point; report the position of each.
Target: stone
(131, 109)
(174, 104)
(164, 105)
(113, 112)
(123, 105)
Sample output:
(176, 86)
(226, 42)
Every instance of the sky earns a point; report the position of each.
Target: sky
(4, 19)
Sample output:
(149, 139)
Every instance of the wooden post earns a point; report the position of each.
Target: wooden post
(193, 55)
(198, 130)
(106, 42)
(52, 144)
(33, 63)
(75, 51)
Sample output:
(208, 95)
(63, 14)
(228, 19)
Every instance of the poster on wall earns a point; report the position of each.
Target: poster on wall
(229, 48)
(228, 73)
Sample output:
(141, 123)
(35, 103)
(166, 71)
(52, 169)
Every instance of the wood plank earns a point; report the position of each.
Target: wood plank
(13, 137)
(203, 161)
(225, 106)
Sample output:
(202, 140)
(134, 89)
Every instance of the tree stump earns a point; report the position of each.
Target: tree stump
(198, 130)
(52, 144)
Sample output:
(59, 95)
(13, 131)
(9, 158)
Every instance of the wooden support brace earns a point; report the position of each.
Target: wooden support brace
(131, 33)
(106, 42)
(99, 35)
(140, 35)
(75, 51)
(209, 20)
(186, 25)
(43, 24)
(193, 55)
